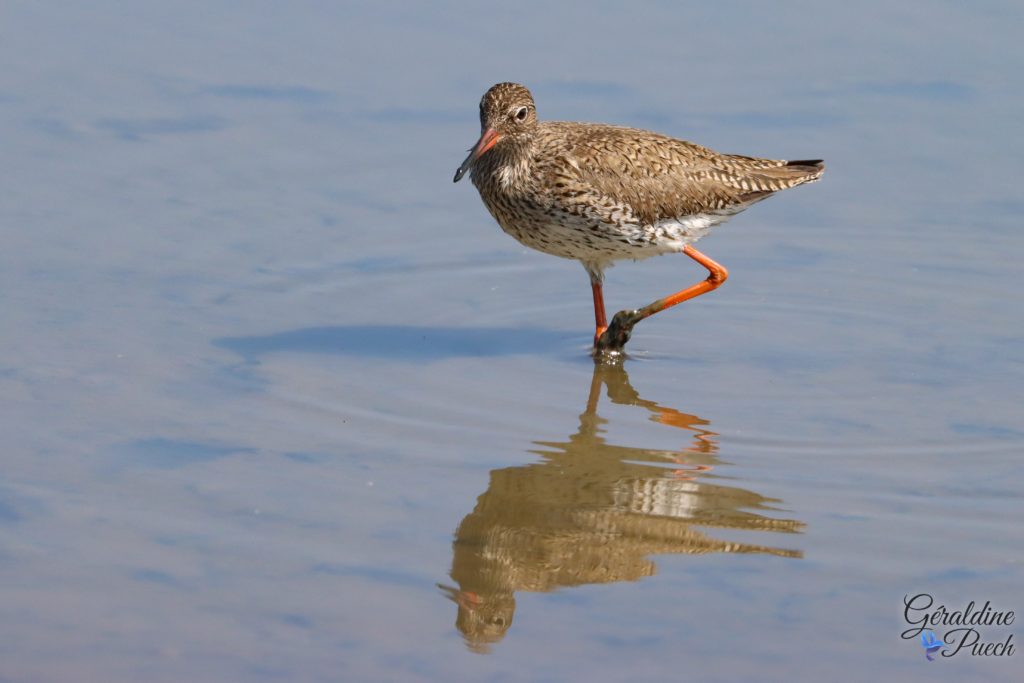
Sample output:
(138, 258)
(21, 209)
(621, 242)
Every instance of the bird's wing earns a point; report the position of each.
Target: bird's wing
(655, 177)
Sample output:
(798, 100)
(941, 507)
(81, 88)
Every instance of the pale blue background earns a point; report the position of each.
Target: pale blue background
(259, 355)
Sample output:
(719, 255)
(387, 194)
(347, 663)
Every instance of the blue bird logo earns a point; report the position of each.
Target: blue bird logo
(930, 643)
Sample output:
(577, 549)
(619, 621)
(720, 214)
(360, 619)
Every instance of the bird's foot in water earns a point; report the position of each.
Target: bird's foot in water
(612, 342)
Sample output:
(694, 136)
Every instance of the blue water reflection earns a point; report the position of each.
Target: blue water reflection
(405, 343)
(260, 360)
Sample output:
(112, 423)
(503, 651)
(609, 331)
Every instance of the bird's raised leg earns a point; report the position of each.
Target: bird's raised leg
(615, 337)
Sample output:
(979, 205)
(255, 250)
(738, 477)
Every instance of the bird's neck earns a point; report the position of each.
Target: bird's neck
(506, 166)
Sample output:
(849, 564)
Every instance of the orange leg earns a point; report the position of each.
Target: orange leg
(600, 320)
(618, 333)
(717, 275)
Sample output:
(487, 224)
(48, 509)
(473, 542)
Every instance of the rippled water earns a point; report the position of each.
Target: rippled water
(280, 402)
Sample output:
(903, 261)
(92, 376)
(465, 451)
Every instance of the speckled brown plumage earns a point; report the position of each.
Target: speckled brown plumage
(599, 193)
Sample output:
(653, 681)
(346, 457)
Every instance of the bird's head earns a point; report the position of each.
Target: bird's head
(507, 112)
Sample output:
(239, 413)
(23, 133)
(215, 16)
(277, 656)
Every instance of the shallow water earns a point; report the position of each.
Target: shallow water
(280, 402)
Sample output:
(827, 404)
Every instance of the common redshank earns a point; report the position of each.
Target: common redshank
(598, 193)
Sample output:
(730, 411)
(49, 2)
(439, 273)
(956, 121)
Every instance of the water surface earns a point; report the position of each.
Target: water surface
(280, 402)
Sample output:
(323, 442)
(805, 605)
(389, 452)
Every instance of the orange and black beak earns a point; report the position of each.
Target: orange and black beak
(486, 141)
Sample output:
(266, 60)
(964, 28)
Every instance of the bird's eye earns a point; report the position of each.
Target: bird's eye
(521, 113)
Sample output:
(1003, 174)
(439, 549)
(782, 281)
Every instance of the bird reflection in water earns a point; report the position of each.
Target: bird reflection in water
(592, 512)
